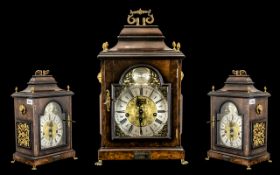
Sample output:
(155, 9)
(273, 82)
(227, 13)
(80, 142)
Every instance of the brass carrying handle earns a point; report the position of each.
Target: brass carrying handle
(22, 109)
(108, 101)
(259, 109)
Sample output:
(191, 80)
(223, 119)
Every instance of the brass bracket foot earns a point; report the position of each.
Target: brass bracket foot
(248, 168)
(75, 158)
(34, 167)
(269, 161)
(13, 161)
(207, 158)
(184, 162)
(99, 163)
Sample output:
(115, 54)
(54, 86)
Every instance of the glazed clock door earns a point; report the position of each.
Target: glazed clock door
(229, 127)
(52, 127)
(141, 105)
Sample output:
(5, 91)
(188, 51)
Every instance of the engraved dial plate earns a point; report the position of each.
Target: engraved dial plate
(229, 127)
(52, 126)
(141, 111)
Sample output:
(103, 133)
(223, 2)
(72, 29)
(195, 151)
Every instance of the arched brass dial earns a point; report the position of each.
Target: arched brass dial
(141, 111)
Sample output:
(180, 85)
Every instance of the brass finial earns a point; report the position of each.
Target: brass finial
(99, 77)
(32, 90)
(182, 75)
(131, 19)
(105, 46)
(239, 72)
(213, 88)
(16, 89)
(176, 47)
(68, 88)
(265, 89)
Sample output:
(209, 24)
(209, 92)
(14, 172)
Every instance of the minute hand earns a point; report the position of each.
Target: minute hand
(140, 103)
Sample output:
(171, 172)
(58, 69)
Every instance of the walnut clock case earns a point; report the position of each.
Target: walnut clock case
(140, 100)
(239, 121)
(43, 116)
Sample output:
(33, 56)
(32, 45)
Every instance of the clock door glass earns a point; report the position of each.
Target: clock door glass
(229, 126)
(141, 108)
(52, 126)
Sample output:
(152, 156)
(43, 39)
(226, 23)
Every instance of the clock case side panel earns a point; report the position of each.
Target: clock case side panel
(254, 118)
(170, 70)
(24, 118)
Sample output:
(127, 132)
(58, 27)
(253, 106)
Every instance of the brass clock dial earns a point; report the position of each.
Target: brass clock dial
(141, 105)
(141, 111)
(52, 126)
(230, 126)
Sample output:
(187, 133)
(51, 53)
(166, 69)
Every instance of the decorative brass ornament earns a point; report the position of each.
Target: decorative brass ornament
(141, 75)
(108, 101)
(259, 109)
(16, 89)
(68, 87)
(99, 77)
(258, 134)
(131, 19)
(42, 72)
(212, 121)
(22, 109)
(239, 72)
(69, 121)
(23, 134)
(182, 75)
(105, 46)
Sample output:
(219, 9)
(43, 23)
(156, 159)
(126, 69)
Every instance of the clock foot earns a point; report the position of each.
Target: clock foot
(34, 167)
(75, 158)
(248, 168)
(99, 163)
(184, 162)
(269, 161)
(207, 158)
(13, 161)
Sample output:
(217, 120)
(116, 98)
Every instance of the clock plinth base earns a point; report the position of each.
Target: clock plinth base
(40, 160)
(246, 161)
(142, 154)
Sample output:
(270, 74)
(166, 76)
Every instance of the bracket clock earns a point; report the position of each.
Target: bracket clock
(140, 100)
(43, 116)
(239, 121)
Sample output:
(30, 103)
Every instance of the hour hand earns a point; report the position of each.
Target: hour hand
(140, 119)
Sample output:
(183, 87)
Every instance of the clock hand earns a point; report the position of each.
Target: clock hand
(140, 119)
(139, 103)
